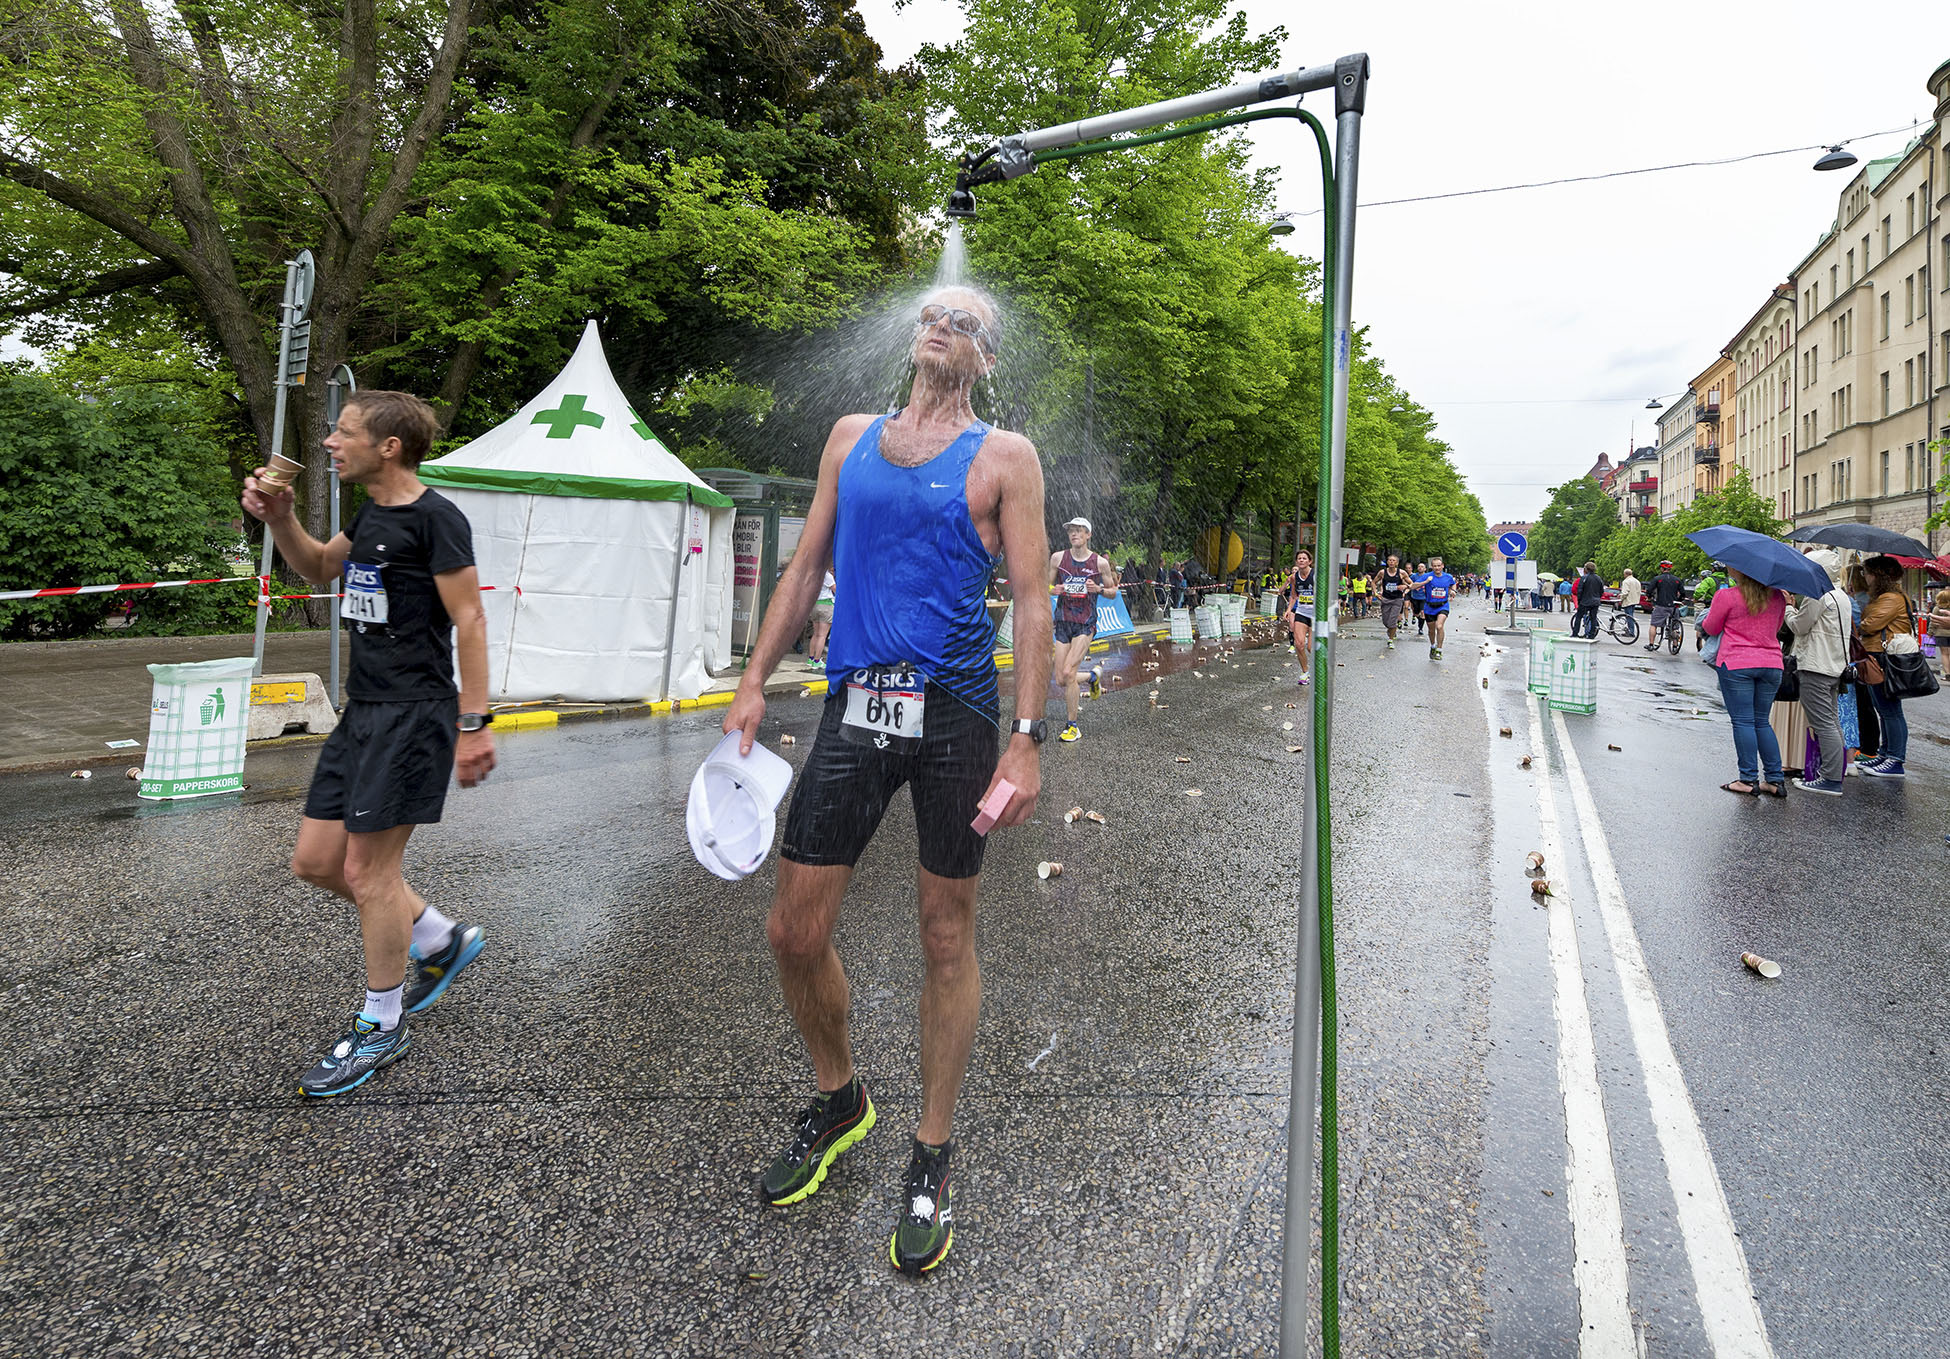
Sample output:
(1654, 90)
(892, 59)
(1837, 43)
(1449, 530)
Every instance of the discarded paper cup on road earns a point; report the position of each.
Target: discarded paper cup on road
(280, 472)
(1074, 814)
(1534, 861)
(1097, 817)
(1766, 967)
(1047, 870)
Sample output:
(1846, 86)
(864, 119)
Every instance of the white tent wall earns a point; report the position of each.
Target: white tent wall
(592, 617)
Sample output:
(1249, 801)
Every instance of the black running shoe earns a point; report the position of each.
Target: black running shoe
(827, 1127)
(926, 1229)
(432, 976)
(362, 1050)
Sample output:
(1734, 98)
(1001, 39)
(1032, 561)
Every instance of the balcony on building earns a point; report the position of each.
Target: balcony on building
(1709, 455)
(1643, 485)
(1648, 511)
(1707, 410)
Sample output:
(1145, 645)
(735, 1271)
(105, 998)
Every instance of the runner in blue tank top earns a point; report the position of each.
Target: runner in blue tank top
(910, 512)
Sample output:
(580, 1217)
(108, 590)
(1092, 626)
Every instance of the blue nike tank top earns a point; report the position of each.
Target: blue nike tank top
(911, 570)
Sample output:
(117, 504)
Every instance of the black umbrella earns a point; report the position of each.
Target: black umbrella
(1862, 538)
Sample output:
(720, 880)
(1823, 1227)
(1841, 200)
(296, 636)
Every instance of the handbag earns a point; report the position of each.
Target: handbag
(1906, 672)
(1790, 690)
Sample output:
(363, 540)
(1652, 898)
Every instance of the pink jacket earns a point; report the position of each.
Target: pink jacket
(1747, 640)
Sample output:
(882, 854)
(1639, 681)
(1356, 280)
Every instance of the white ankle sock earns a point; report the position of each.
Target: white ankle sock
(382, 1007)
(432, 932)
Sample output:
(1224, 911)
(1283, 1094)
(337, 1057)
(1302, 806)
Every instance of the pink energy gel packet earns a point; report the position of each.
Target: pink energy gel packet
(993, 807)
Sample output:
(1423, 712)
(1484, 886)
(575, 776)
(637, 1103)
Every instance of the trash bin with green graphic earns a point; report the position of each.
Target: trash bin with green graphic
(1542, 643)
(1574, 675)
(198, 715)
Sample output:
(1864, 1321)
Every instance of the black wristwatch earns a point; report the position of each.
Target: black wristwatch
(473, 721)
(1037, 730)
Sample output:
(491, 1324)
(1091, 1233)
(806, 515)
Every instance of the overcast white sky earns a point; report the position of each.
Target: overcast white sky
(1486, 307)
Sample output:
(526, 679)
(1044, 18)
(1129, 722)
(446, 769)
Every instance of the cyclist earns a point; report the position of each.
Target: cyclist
(1665, 594)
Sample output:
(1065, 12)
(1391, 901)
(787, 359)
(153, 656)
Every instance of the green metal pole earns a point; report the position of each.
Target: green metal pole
(1316, 942)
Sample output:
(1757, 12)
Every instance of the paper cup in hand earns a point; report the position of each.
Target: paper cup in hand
(732, 802)
(281, 471)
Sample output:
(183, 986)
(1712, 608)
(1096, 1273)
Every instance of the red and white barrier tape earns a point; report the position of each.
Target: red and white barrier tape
(54, 590)
(335, 594)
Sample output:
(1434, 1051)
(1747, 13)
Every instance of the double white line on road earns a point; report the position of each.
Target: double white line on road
(1728, 1309)
(1729, 1313)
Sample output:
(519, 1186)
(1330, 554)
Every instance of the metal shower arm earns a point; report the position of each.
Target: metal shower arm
(1258, 90)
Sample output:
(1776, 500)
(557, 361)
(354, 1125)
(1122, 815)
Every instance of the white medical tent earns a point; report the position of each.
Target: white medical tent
(611, 560)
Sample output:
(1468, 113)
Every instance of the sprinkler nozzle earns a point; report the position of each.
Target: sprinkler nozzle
(961, 203)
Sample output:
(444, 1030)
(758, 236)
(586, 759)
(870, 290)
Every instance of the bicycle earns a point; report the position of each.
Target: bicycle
(1624, 626)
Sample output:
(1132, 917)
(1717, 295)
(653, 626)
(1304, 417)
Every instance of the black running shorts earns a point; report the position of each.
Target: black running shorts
(847, 783)
(386, 765)
(1067, 632)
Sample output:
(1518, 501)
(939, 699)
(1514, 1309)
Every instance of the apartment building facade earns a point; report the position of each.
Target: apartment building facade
(1760, 427)
(1677, 442)
(1712, 405)
(1872, 343)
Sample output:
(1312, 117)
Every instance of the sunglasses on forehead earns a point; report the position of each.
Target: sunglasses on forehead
(959, 321)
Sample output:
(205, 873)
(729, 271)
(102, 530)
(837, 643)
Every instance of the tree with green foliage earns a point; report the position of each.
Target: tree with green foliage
(1579, 517)
(1643, 546)
(128, 486)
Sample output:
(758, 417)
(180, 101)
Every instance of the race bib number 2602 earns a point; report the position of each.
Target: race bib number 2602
(888, 700)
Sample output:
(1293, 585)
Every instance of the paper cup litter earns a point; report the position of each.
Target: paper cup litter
(1766, 967)
(281, 471)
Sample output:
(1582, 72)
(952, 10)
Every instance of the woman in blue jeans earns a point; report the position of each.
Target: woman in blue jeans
(1746, 616)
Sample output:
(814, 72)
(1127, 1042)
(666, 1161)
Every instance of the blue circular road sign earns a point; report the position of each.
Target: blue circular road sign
(1512, 544)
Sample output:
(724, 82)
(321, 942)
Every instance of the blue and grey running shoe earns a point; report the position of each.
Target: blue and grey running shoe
(432, 976)
(362, 1050)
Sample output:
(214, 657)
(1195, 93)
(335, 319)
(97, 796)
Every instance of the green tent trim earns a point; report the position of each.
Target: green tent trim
(558, 483)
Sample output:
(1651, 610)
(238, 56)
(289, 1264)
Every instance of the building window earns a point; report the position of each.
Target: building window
(1885, 473)
(1885, 316)
(1909, 467)
(1851, 266)
(1885, 393)
(1909, 216)
(1909, 300)
(1834, 281)
(1909, 383)
(1885, 240)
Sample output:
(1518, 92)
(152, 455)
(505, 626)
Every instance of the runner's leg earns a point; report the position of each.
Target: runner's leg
(951, 998)
(1069, 656)
(387, 906)
(320, 856)
(800, 930)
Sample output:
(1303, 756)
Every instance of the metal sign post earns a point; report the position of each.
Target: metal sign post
(1512, 546)
(294, 348)
(337, 387)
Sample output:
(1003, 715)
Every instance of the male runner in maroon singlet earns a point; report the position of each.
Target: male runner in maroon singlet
(912, 699)
(1077, 576)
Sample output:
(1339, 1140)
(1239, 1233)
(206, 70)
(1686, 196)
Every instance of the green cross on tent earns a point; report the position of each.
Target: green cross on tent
(562, 421)
(643, 431)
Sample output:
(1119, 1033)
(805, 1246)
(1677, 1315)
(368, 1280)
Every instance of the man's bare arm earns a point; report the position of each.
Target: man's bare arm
(798, 589)
(1020, 516)
(317, 562)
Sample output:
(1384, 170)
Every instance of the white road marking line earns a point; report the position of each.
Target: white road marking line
(1597, 1224)
(1728, 1308)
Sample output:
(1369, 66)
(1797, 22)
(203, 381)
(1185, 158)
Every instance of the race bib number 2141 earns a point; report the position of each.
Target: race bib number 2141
(365, 595)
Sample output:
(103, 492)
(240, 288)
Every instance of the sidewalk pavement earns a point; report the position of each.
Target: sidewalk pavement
(61, 703)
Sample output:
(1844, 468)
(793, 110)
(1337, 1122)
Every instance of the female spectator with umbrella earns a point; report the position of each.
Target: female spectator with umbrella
(1822, 626)
(1745, 615)
(1886, 618)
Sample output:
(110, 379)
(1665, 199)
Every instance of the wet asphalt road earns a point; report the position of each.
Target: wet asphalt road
(565, 1161)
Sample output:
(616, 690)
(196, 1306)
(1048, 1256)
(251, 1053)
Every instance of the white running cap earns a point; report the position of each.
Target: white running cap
(1079, 522)
(730, 814)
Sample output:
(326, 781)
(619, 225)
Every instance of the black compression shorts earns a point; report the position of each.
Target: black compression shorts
(848, 780)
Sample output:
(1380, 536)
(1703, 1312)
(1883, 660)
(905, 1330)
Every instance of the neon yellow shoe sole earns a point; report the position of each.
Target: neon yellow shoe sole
(845, 1143)
(893, 1253)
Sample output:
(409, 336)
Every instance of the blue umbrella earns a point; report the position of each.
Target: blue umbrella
(1767, 560)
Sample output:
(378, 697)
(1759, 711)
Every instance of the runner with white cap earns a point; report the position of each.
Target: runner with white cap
(911, 510)
(1077, 576)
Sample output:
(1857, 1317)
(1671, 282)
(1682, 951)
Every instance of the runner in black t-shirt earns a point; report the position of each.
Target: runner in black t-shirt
(1392, 585)
(409, 580)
